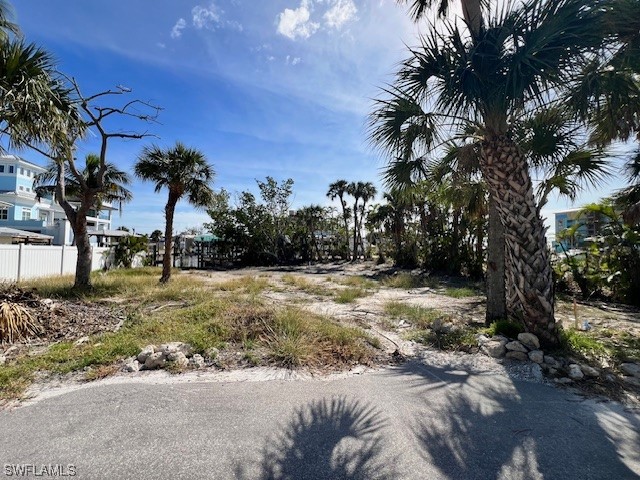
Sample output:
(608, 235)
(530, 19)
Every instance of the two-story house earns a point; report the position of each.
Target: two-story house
(22, 210)
(590, 225)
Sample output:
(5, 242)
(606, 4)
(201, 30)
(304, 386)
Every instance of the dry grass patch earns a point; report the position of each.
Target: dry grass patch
(408, 281)
(358, 281)
(305, 285)
(350, 295)
(419, 317)
(247, 284)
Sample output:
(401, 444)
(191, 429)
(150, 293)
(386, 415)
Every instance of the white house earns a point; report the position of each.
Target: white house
(20, 209)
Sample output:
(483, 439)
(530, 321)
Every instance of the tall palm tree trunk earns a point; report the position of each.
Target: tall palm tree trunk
(169, 211)
(496, 296)
(530, 284)
(355, 233)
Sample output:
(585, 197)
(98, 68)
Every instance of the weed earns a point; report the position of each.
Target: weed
(246, 284)
(504, 327)
(350, 295)
(305, 285)
(408, 281)
(417, 316)
(460, 292)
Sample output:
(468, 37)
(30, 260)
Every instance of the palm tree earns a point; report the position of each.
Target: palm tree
(114, 189)
(184, 172)
(7, 26)
(364, 191)
(338, 189)
(507, 70)
(367, 193)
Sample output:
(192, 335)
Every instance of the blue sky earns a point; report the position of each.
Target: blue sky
(277, 87)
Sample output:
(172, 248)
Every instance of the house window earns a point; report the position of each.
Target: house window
(26, 213)
(10, 168)
(1, 168)
(4, 213)
(21, 171)
(20, 187)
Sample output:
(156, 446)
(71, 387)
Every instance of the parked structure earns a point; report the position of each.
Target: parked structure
(22, 210)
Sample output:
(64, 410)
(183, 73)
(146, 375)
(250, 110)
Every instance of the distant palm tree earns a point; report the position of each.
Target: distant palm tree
(364, 191)
(338, 189)
(114, 183)
(184, 172)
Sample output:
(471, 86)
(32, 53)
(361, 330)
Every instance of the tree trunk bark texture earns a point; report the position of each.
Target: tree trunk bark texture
(169, 210)
(496, 296)
(529, 281)
(83, 245)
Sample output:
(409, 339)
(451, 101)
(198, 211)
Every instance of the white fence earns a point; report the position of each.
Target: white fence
(22, 262)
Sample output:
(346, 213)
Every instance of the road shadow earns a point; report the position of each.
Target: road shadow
(326, 439)
(490, 427)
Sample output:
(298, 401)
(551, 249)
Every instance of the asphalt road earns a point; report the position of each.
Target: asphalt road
(411, 421)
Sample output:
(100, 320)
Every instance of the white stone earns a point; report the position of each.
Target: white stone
(552, 362)
(575, 372)
(482, 339)
(516, 347)
(563, 380)
(590, 371)
(132, 366)
(211, 353)
(81, 340)
(3, 359)
(173, 347)
(529, 340)
(632, 369)
(196, 361)
(155, 360)
(146, 352)
(178, 358)
(515, 355)
(536, 356)
(494, 349)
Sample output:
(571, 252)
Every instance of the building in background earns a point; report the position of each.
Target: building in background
(21, 210)
(590, 226)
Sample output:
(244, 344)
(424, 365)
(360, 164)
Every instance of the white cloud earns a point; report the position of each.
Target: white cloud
(176, 31)
(292, 60)
(206, 17)
(297, 23)
(340, 13)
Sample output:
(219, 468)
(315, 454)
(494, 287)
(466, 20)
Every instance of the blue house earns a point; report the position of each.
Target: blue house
(20, 209)
(590, 225)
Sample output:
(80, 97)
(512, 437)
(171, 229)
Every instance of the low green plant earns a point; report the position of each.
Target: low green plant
(350, 295)
(504, 327)
(408, 281)
(419, 317)
(460, 292)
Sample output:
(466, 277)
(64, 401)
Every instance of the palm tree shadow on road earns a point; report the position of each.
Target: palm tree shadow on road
(488, 427)
(326, 439)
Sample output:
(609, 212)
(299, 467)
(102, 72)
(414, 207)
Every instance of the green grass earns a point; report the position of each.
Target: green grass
(288, 337)
(350, 295)
(459, 339)
(408, 281)
(247, 284)
(461, 292)
(141, 285)
(417, 316)
(305, 285)
(358, 281)
(504, 327)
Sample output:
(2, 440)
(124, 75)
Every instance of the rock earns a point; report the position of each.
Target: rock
(196, 361)
(514, 355)
(494, 349)
(635, 381)
(552, 362)
(132, 366)
(211, 353)
(529, 340)
(536, 372)
(610, 377)
(552, 371)
(590, 371)
(174, 347)
(482, 339)
(575, 372)
(3, 359)
(81, 340)
(516, 346)
(563, 380)
(145, 353)
(501, 338)
(155, 360)
(178, 358)
(632, 369)
(536, 356)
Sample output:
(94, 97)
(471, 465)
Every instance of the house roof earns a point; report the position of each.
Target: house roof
(16, 158)
(15, 233)
(112, 233)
